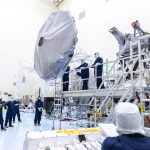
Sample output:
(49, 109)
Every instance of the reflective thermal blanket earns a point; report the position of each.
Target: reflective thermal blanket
(55, 45)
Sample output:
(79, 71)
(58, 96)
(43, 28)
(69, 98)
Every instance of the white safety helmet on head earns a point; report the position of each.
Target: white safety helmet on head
(96, 55)
(128, 119)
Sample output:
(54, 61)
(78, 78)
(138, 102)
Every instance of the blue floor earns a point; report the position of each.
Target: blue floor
(13, 138)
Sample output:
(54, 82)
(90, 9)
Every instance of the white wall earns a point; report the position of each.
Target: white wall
(20, 23)
(101, 16)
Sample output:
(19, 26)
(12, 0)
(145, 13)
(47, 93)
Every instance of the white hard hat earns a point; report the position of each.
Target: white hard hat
(128, 119)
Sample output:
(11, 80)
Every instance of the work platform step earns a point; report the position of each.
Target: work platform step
(57, 104)
(147, 89)
(90, 93)
(57, 110)
(57, 99)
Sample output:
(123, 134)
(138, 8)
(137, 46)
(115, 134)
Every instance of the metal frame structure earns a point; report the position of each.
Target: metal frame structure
(103, 101)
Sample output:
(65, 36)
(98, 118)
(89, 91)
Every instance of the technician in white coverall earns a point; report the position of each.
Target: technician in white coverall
(129, 126)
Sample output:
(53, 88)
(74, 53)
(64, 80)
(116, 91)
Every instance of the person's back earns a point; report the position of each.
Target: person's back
(1, 107)
(16, 104)
(38, 112)
(85, 72)
(130, 129)
(1, 110)
(10, 111)
(65, 79)
(10, 106)
(127, 142)
(66, 75)
(38, 104)
(99, 69)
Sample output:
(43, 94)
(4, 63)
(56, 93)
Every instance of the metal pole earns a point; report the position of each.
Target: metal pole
(131, 59)
(53, 128)
(96, 77)
(39, 91)
(95, 110)
(107, 68)
(140, 67)
(123, 72)
(107, 75)
(61, 106)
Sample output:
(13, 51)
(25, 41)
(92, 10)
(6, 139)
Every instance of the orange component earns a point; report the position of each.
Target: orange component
(148, 119)
(138, 97)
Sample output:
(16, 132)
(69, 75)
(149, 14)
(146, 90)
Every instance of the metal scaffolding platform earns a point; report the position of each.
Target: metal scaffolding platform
(123, 79)
(101, 93)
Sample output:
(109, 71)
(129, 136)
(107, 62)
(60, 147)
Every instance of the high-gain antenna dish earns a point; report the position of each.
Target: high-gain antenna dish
(55, 45)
